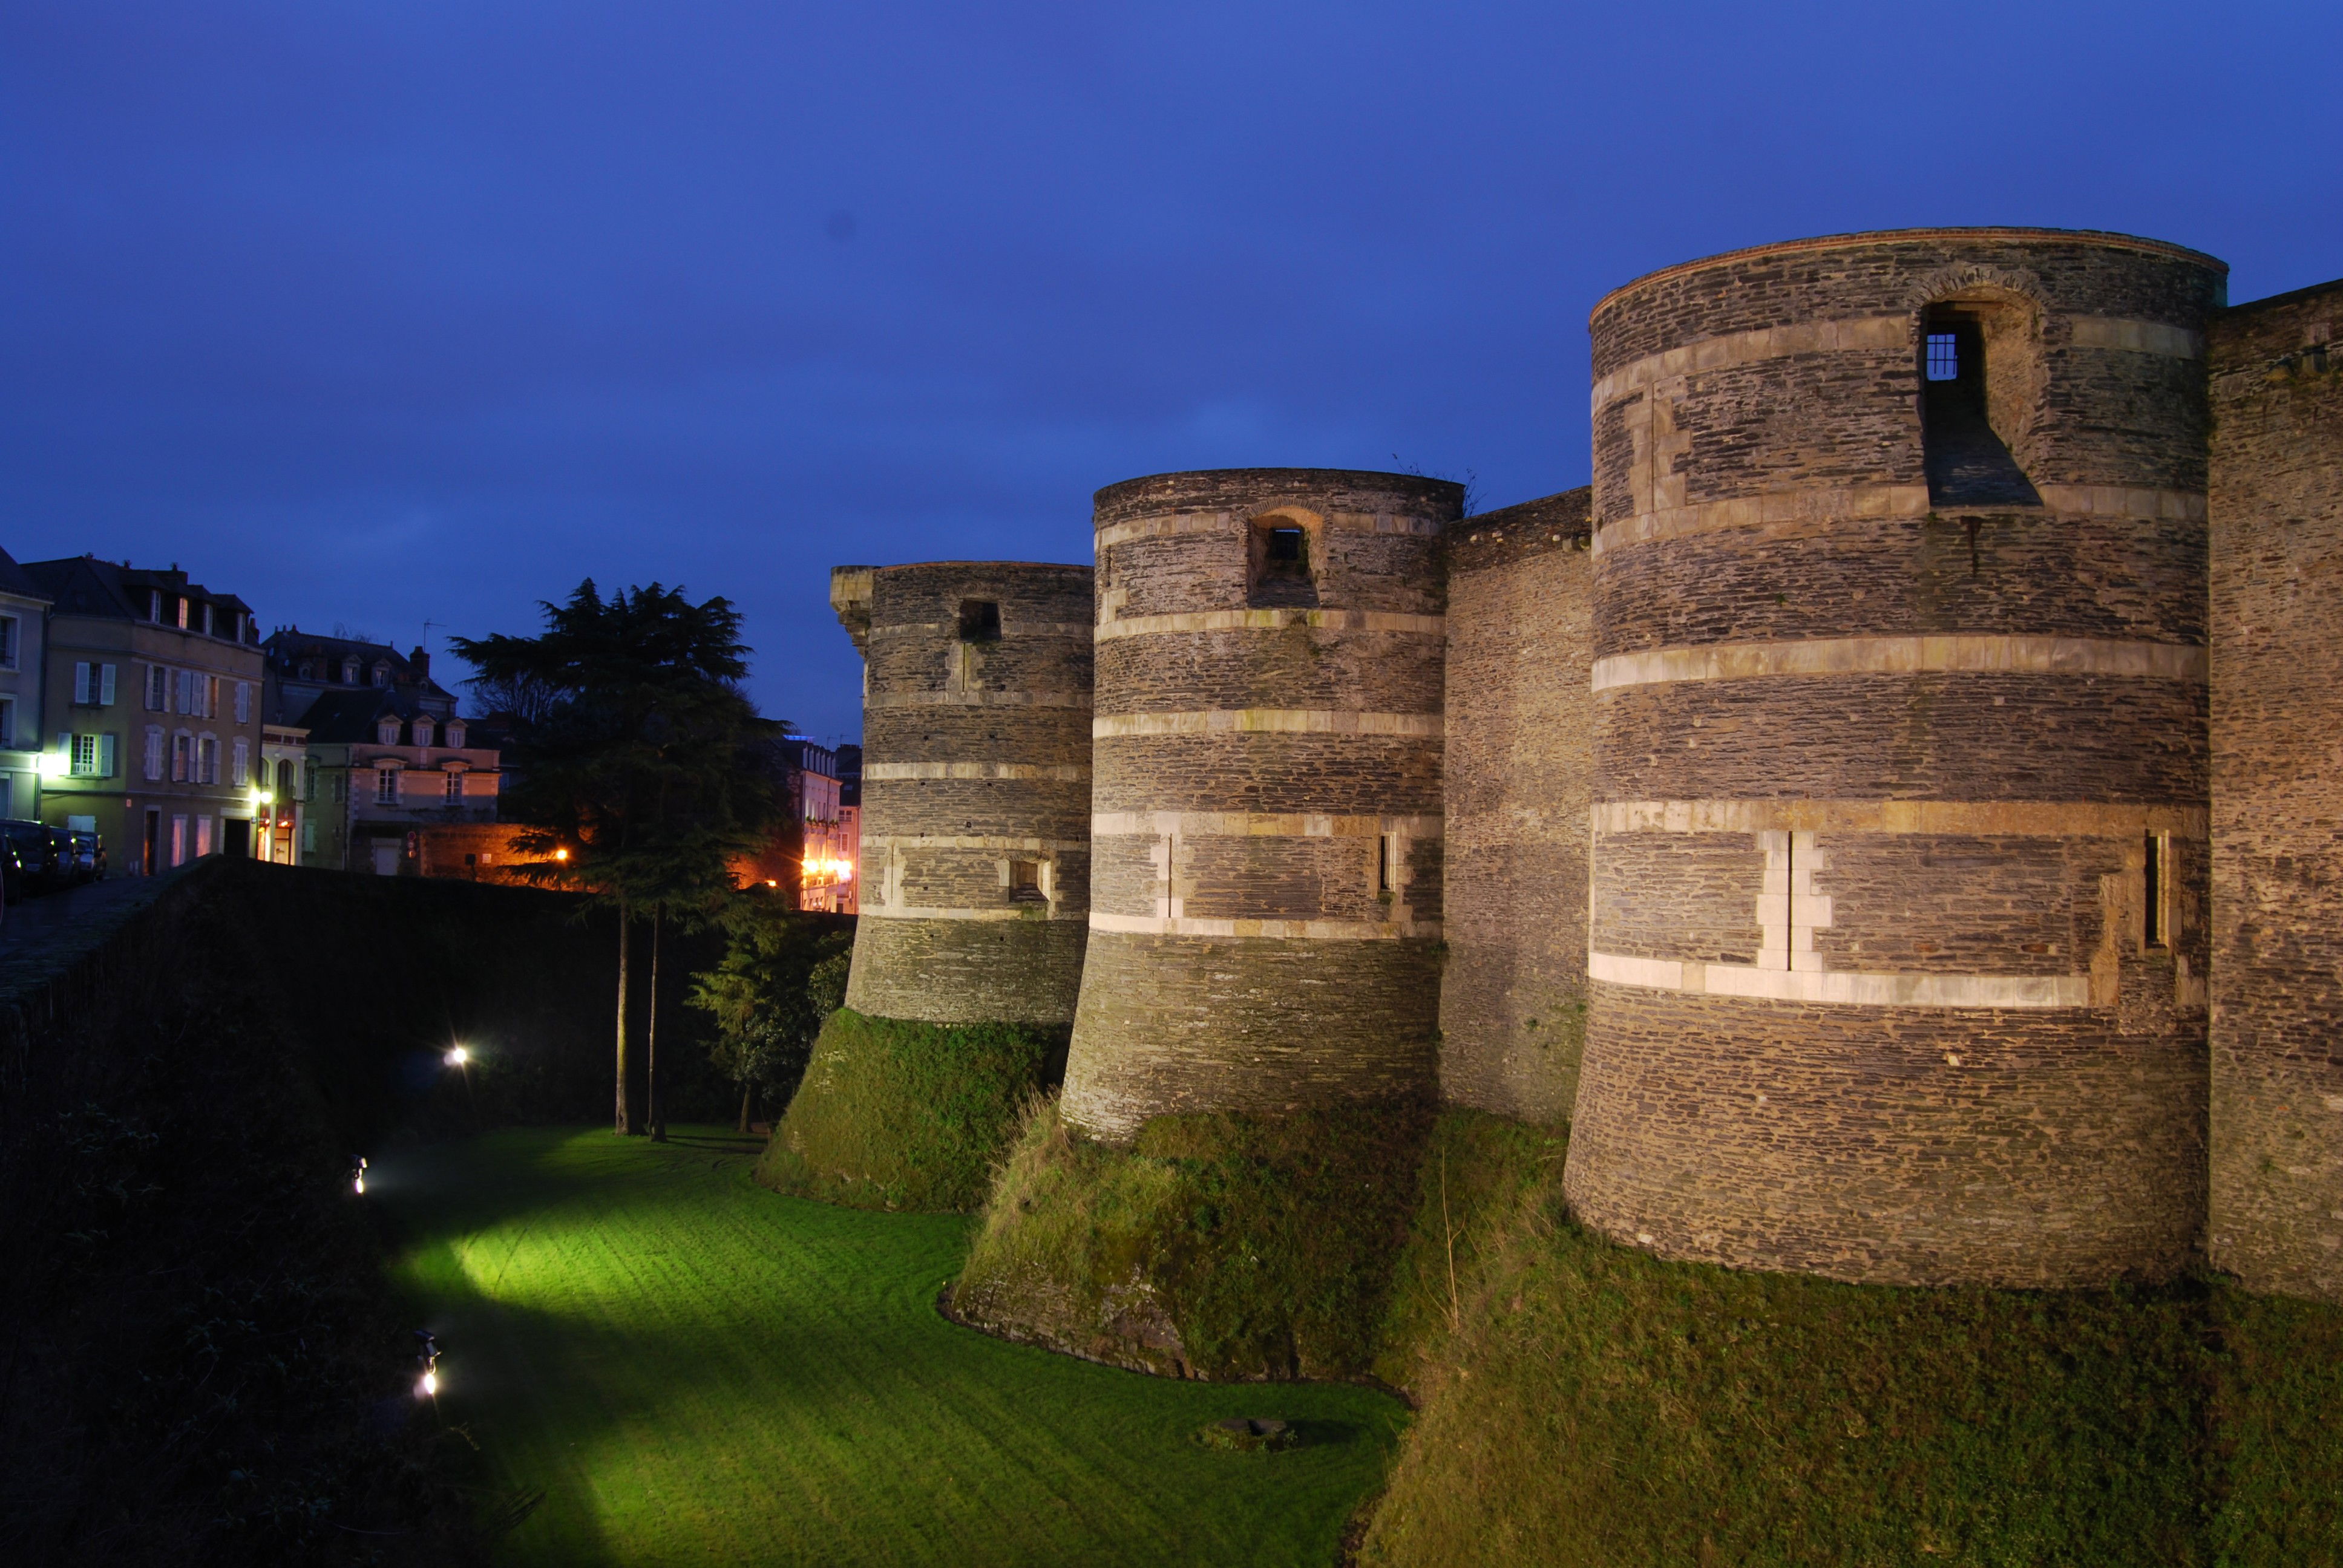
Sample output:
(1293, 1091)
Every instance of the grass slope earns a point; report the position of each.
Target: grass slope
(696, 1370)
(1586, 1404)
(1216, 1246)
(900, 1115)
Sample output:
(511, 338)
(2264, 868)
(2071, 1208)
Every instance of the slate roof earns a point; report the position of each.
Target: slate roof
(85, 584)
(16, 580)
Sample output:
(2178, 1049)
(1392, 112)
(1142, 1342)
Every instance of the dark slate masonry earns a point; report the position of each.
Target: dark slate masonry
(1267, 812)
(1512, 996)
(2277, 793)
(976, 788)
(1884, 986)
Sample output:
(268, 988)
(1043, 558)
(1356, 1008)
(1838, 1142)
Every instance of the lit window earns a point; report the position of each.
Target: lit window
(455, 786)
(1944, 356)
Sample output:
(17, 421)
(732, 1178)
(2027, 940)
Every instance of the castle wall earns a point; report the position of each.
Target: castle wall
(1266, 822)
(2277, 1202)
(975, 859)
(1512, 996)
(1884, 770)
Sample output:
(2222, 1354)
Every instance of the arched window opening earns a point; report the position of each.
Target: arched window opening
(1980, 361)
(1283, 562)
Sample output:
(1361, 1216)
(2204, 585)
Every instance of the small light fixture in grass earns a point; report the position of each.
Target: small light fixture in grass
(458, 1057)
(357, 1177)
(427, 1385)
(1249, 1434)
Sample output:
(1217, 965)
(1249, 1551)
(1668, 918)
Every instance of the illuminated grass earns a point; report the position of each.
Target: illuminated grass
(698, 1370)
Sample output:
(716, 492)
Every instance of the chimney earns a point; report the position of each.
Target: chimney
(420, 663)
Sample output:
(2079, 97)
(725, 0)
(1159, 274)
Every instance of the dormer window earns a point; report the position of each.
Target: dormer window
(381, 673)
(455, 737)
(422, 732)
(349, 672)
(386, 732)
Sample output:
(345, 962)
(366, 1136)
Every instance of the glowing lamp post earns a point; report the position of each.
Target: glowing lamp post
(357, 1177)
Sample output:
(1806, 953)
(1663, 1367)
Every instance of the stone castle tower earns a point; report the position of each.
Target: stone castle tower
(1853, 816)
(1266, 813)
(975, 789)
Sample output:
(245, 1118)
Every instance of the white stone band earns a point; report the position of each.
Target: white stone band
(1975, 819)
(1067, 771)
(1256, 825)
(1265, 721)
(1840, 988)
(1284, 930)
(1968, 655)
(1271, 620)
(1233, 523)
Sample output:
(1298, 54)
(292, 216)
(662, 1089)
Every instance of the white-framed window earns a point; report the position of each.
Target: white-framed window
(207, 693)
(455, 786)
(183, 613)
(240, 762)
(455, 733)
(422, 730)
(308, 834)
(154, 752)
(183, 759)
(182, 690)
(381, 673)
(203, 836)
(385, 786)
(208, 758)
(155, 604)
(244, 702)
(349, 672)
(94, 685)
(90, 755)
(178, 841)
(158, 689)
(9, 634)
(386, 732)
(8, 722)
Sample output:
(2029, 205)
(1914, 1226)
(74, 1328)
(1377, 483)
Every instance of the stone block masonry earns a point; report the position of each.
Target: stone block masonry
(2276, 510)
(1516, 777)
(1898, 936)
(1267, 812)
(976, 785)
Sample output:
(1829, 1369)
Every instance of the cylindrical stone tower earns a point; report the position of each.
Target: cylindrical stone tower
(1897, 934)
(976, 788)
(1267, 808)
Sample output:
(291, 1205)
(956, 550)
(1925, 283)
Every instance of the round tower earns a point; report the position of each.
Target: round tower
(1266, 815)
(976, 790)
(1897, 934)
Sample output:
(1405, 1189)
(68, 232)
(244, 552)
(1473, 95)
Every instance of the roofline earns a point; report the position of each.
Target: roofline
(2101, 237)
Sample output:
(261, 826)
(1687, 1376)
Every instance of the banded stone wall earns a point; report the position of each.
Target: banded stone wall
(1882, 985)
(2277, 793)
(1267, 812)
(976, 858)
(1512, 996)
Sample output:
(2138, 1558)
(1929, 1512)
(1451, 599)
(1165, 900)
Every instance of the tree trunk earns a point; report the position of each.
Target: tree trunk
(748, 1099)
(651, 1033)
(628, 1126)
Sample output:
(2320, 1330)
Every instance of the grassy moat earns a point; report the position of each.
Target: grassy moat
(695, 1369)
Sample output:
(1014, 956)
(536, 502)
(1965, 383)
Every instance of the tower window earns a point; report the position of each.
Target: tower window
(1944, 356)
(1385, 847)
(1025, 881)
(1284, 545)
(979, 620)
(1279, 564)
(2157, 929)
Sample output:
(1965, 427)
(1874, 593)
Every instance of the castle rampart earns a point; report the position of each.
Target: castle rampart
(1513, 994)
(975, 789)
(1267, 809)
(2277, 506)
(1899, 860)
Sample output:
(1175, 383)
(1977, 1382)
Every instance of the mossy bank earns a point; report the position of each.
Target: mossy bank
(898, 1114)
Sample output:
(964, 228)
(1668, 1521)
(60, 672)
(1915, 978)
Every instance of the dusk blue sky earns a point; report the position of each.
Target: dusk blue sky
(400, 312)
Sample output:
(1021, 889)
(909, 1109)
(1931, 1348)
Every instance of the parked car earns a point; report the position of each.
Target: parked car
(88, 854)
(36, 861)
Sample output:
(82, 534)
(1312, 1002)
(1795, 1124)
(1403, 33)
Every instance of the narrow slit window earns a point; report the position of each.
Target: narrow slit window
(1383, 864)
(2159, 889)
(979, 620)
(1944, 356)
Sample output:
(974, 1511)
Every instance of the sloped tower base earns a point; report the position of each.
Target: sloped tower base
(902, 1115)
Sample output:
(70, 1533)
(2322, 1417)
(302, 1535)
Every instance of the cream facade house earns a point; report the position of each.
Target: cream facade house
(24, 640)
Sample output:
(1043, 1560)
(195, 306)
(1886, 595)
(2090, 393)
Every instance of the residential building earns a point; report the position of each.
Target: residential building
(281, 814)
(809, 856)
(387, 761)
(24, 639)
(848, 895)
(151, 705)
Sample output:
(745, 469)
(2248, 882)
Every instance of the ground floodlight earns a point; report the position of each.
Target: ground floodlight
(459, 1056)
(357, 1177)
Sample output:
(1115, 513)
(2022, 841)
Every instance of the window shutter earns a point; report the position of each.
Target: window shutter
(106, 685)
(155, 751)
(81, 684)
(105, 749)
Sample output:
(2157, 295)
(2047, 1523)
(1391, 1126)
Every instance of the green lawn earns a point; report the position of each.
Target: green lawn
(696, 1370)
